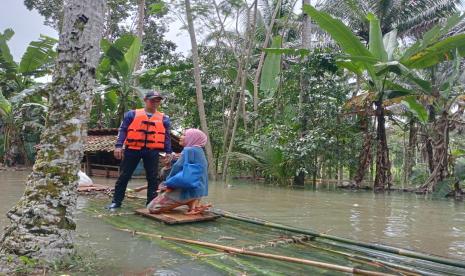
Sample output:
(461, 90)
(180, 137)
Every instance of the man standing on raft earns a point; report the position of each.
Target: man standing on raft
(144, 133)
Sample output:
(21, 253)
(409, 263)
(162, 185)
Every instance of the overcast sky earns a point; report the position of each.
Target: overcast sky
(28, 25)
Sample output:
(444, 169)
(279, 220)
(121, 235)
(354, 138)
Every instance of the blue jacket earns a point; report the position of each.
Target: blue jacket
(196, 156)
(127, 120)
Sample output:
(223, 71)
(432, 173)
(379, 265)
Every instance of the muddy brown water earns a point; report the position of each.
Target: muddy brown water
(404, 220)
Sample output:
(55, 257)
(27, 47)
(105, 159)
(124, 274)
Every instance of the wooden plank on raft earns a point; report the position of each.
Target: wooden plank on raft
(178, 216)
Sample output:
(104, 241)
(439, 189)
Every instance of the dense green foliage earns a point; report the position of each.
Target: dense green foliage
(377, 96)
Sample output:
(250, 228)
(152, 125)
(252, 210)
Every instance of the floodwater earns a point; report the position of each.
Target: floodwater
(399, 219)
(116, 252)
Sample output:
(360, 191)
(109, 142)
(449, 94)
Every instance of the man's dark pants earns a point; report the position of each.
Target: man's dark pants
(128, 165)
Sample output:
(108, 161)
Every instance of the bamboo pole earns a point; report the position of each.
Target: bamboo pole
(384, 248)
(241, 251)
(392, 266)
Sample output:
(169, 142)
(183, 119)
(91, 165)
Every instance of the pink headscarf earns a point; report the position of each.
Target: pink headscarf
(194, 138)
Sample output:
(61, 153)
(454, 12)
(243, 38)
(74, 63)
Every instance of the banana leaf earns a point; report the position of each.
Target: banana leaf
(6, 59)
(376, 44)
(436, 53)
(269, 79)
(339, 32)
(416, 108)
(39, 57)
(432, 36)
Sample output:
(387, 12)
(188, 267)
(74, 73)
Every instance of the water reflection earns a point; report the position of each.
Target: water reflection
(404, 220)
(398, 219)
(116, 252)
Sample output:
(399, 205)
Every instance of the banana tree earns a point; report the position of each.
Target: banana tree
(36, 62)
(441, 62)
(19, 91)
(107, 99)
(447, 79)
(379, 68)
(116, 73)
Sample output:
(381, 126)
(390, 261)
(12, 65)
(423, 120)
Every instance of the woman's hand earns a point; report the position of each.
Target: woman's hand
(161, 187)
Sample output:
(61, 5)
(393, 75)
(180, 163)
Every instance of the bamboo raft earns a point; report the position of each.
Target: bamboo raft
(239, 245)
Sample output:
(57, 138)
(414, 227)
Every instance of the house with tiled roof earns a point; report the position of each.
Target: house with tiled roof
(98, 153)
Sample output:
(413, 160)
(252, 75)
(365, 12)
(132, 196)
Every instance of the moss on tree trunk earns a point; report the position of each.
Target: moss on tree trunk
(42, 221)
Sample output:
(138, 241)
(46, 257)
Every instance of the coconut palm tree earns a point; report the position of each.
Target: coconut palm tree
(408, 17)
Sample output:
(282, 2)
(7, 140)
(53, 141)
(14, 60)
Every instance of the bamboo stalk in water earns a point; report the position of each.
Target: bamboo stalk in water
(396, 267)
(241, 251)
(380, 247)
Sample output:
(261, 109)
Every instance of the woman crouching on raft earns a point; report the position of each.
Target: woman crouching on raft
(188, 179)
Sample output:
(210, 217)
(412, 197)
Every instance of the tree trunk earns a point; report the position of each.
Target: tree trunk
(140, 31)
(198, 89)
(410, 151)
(243, 78)
(306, 27)
(13, 144)
(340, 172)
(231, 142)
(42, 221)
(365, 156)
(440, 143)
(383, 164)
(228, 127)
(428, 142)
(251, 34)
(262, 61)
(299, 179)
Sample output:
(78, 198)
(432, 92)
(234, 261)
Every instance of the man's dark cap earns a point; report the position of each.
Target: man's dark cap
(153, 95)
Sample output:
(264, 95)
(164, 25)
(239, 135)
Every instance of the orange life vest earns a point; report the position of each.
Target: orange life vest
(146, 132)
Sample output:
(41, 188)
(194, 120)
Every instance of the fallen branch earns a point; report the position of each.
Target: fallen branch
(235, 250)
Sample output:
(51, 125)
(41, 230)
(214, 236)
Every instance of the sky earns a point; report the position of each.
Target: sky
(29, 25)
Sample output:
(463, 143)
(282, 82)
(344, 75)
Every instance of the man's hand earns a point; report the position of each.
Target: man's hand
(118, 153)
(170, 156)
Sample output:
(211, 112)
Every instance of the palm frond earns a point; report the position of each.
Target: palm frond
(409, 17)
(266, 10)
(419, 17)
(238, 156)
